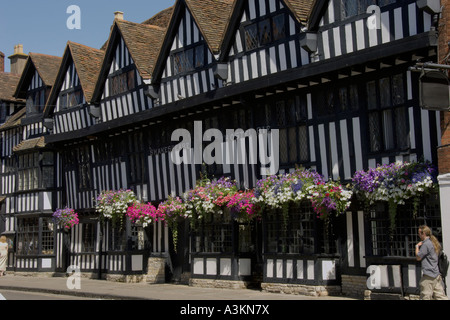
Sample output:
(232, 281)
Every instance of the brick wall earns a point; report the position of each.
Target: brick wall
(2, 62)
(444, 38)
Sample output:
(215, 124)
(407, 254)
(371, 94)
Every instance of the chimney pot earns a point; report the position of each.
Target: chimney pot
(18, 59)
(118, 15)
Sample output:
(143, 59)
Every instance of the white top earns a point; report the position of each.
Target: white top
(3, 248)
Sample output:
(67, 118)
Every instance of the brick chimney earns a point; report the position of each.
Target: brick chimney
(18, 59)
(2, 62)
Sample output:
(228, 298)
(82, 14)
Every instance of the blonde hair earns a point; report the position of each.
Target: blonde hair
(427, 231)
(3, 239)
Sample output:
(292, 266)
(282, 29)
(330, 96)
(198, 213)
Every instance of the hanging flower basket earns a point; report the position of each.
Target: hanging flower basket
(396, 183)
(242, 206)
(172, 211)
(278, 192)
(113, 205)
(209, 198)
(143, 214)
(67, 218)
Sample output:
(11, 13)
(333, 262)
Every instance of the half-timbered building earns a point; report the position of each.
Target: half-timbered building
(10, 113)
(28, 176)
(334, 78)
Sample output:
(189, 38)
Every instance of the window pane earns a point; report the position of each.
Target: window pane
(199, 56)
(371, 95)
(401, 128)
(281, 113)
(268, 113)
(251, 37)
(325, 101)
(398, 93)
(131, 82)
(385, 93)
(89, 235)
(343, 98)
(47, 236)
(348, 8)
(388, 130)
(63, 101)
(303, 143)
(353, 97)
(35, 173)
(385, 2)
(292, 145)
(374, 132)
(279, 27)
(265, 32)
(42, 99)
(189, 60)
(47, 158)
(283, 146)
(48, 175)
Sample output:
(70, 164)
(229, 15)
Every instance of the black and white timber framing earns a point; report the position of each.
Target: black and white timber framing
(349, 105)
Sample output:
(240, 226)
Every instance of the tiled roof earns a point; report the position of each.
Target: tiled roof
(301, 8)
(212, 18)
(14, 120)
(47, 66)
(8, 85)
(30, 144)
(88, 63)
(161, 19)
(143, 43)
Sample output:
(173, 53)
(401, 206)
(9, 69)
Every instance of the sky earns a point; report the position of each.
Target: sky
(41, 26)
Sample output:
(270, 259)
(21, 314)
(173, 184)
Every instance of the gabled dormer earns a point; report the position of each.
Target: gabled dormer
(264, 38)
(68, 104)
(36, 82)
(346, 27)
(127, 69)
(190, 49)
(34, 86)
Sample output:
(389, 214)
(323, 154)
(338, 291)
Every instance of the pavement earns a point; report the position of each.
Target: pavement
(108, 290)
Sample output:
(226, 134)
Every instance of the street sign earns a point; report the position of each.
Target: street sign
(434, 91)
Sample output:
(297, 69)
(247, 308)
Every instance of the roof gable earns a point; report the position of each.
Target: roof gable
(212, 18)
(46, 66)
(87, 63)
(143, 43)
(299, 10)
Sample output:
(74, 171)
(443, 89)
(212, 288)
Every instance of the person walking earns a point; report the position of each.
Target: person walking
(3, 255)
(427, 252)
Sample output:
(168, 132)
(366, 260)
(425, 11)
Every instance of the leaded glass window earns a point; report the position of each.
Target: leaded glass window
(388, 117)
(265, 31)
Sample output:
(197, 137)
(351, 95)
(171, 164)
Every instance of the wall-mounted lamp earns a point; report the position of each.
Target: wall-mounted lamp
(221, 71)
(48, 123)
(309, 42)
(152, 92)
(429, 6)
(94, 111)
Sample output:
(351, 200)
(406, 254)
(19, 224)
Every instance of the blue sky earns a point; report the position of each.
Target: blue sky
(41, 25)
